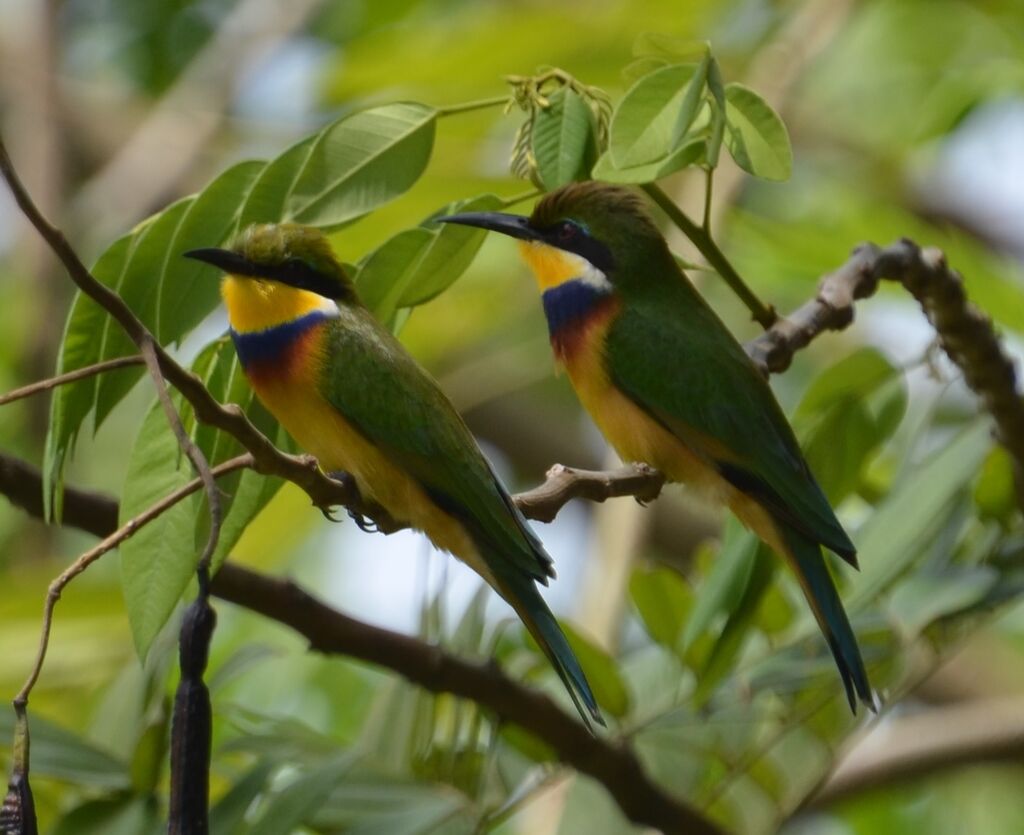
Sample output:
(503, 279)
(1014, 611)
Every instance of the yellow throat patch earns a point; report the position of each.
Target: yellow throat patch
(552, 266)
(255, 305)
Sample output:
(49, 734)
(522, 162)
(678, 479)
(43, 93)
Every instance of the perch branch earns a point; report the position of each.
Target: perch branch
(70, 377)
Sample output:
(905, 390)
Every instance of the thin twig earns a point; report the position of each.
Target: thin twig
(195, 455)
(763, 314)
(61, 379)
(110, 542)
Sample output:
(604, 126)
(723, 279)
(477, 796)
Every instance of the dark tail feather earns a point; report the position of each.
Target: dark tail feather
(522, 594)
(812, 571)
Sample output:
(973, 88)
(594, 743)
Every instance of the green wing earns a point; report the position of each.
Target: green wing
(701, 379)
(395, 404)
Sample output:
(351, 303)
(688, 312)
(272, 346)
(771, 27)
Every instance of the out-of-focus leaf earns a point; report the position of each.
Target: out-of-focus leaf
(227, 815)
(838, 466)
(922, 599)
(737, 626)
(663, 599)
(128, 815)
(300, 800)
(601, 671)
(755, 135)
(643, 127)
(850, 378)
(564, 139)
(468, 635)
(366, 804)
(60, 753)
(995, 493)
(891, 541)
(723, 588)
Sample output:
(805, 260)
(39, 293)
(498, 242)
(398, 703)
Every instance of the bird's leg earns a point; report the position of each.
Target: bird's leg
(346, 478)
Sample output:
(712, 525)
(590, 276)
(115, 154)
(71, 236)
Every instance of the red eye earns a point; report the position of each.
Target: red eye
(567, 231)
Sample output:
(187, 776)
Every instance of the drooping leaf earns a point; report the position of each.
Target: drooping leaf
(384, 276)
(287, 809)
(723, 588)
(564, 139)
(755, 135)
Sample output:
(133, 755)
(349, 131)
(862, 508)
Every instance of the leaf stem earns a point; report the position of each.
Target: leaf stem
(709, 184)
(470, 106)
(764, 315)
(522, 197)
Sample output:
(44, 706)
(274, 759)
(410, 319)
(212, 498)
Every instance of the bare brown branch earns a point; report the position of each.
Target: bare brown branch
(966, 334)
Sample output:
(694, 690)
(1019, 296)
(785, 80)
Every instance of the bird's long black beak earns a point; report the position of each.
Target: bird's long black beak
(224, 259)
(515, 226)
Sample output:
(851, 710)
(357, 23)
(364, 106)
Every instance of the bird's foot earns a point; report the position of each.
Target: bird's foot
(363, 523)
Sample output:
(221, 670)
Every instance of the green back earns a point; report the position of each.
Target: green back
(702, 380)
(396, 405)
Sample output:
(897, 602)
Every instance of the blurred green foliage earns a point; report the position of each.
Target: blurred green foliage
(721, 680)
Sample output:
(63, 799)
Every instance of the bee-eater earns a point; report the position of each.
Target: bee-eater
(347, 391)
(668, 384)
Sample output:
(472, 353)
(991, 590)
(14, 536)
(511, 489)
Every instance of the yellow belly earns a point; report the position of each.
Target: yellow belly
(324, 433)
(637, 437)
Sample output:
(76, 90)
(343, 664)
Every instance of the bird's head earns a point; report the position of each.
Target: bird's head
(283, 254)
(592, 231)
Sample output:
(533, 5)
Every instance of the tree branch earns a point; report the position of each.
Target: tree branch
(611, 762)
(910, 747)
(966, 334)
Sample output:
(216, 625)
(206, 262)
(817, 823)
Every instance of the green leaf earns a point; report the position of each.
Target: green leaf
(723, 588)
(644, 126)
(601, 671)
(128, 815)
(717, 101)
(852, 377)
(995, 493)
(227, 815)
(385, 275)
(719, 662)
(564, 139)
(838, 466)
(60, 753)
(663, 600)
(922, 599)
(894, 537)
(449, 254)
(691, 101)
(468, 635)
(370, 804)
(755, 135)
(297, 802)
(688, 154)
(361, 162)
(157, 563)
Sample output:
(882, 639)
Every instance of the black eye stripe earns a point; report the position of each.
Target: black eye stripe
(570, 236)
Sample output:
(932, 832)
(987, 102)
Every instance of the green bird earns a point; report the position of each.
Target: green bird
(347, 391)
(669, 386)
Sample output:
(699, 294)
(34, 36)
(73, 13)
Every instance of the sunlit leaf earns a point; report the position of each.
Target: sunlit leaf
(755, 135)
(643, 127)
